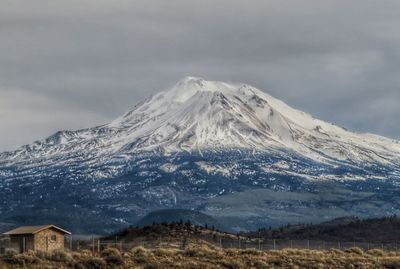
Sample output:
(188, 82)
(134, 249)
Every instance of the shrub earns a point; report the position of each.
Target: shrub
(261, 265)
(141, 255)
(86, 252)
(13, 258)
(164, 252)
(250, 251)
(78, 265)
(95, 263)
(60, 256)
(335, 251)
(231, 264)
(376, 252)
(112, 256)
(152, 265)
(42, 254)
(139, 251)
(20, 259)
(391, 264)
(200, 251)
(355, 250)
(10, 253)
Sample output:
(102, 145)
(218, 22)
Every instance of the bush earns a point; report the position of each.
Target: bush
(86, 253)
(20, 259)
(42, 254)
(112, 256)
(355, 250)
(337, 252)
(12, 257)
(139, 251)
(164, 252)
(376, 252)
(231, 264)
(261, 265)
(60, 256)
(250, 251)
(95, 263)
(78, 265)
(200, 251)
(141, 255)
(10, 253)
(152, 265)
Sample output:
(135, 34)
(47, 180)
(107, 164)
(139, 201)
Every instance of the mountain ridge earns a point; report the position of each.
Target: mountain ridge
(196, 114)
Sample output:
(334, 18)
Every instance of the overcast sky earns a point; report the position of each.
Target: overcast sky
(70, 64)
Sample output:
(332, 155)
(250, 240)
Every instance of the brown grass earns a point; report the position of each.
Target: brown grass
(197, 256)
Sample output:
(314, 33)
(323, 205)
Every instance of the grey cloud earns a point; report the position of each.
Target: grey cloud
(336, 59)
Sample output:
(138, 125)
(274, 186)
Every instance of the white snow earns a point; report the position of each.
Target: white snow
(168, 167)
(196, 115)
(209, 168)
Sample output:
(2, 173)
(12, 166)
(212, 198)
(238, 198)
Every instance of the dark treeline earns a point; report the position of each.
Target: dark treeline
(384, 230)
(379, 230)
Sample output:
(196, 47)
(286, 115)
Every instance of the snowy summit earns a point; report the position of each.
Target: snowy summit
(197, 115)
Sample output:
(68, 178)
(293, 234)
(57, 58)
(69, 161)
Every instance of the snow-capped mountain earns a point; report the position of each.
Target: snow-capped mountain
(196, 115)
(176, 142)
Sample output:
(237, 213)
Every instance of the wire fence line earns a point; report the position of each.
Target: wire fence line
(96, 245)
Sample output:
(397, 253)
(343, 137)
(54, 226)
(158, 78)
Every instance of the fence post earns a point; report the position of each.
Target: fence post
(98, 246)
(274, 244)
(291, 243)
(92, 245)
(259, 244)
(308, 244)
(220, 242)
(339, 245)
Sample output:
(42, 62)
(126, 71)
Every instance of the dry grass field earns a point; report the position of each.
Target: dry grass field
(202, 256)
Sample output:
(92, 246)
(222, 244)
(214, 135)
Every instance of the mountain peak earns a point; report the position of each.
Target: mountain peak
(189, 86)
(196, 114)
(191, 80)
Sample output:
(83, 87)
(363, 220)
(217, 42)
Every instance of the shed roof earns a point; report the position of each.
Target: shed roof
(34, 229)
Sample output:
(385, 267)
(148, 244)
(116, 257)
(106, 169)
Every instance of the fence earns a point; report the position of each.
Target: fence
(96, 245)
(4, 245)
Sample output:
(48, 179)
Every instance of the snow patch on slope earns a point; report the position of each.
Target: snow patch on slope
(211, 169)
(169, 167)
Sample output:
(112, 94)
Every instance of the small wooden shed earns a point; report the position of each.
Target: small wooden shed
(43, 237)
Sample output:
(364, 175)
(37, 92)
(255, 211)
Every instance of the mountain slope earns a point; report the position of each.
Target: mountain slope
(189, 145)
(196, 114)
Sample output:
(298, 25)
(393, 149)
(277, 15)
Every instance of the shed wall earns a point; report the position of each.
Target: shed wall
(22, 243)
(49, 240)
